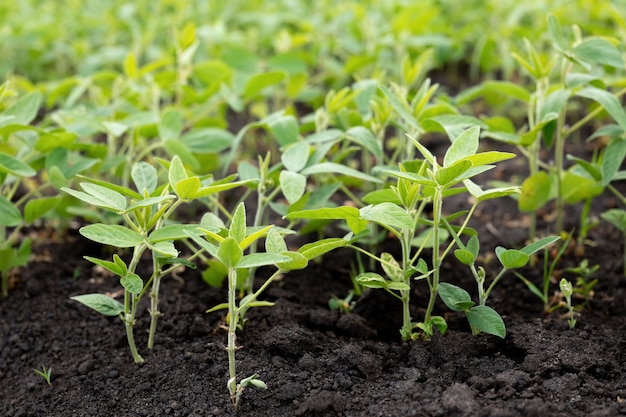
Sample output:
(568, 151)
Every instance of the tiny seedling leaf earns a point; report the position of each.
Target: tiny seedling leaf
(274, 242)
(371, 280)
(108, 265)
(320, 247)
(538, 245)
(132, 283)
(456, 298)
(237, 228)
(391, 267)
(101, 303)
(463, 146)
(229, 252)
(511, 258)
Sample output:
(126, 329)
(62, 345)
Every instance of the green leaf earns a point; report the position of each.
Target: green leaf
(451, 174)
(255, 260)
(237, 228)
(371, 280)
(607, 100)
(171, 125)
(285, 129)
(144, 176)
(486, 320)
(165, 249)
(108, 265)
(253, 234)
(612, 159)
(176, 172)
(331, 213)
(464, 256)
(617, 217)
(9, 214)
(320, 247)
(334, 168)
(366, 139)
(229, 252)
(170, 232)
(576, 188)
(400, 107)
(108, 196)
(187, 189)
(296, 156)
(466, 144)
(25, 109)
(259, 82)
(490, 157)
(147, 202)
(538, 245)
(535, 192)
(512, 258)
(457, 299)
(388, 214)
(132, 283)
(599, 51)
(391, 267)
(10, 165)
(293, 185)
(296, 261)
(35, 209)
(453, 124)
(274, 242)
(207, 140)
(111, 234)
(386, 195)
(101, 303)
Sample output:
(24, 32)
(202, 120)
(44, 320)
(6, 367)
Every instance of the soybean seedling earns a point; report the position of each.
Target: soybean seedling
(145, 229)
(400, 210)
(227, 246)
(481, 317)
(45, 373)
(567, 290)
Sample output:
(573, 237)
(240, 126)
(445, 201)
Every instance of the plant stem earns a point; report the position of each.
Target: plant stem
(433, 282)
(129, 323)
(405, 295)
(154, 303)
(233, 315)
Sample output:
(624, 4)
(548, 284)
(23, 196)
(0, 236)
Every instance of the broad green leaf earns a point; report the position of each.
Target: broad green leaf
(112, 234)
(171, 125)
(165, 249)
(9, 214)
(451, 174)
(386, 195)
(468, 254)
(25, 109)
(599, 51)
(607, 100)
(295, 156)
(591, 168)
(331, 213)
(391, 267)
(512, 258)
(170, 232)
(207, 140)
(612, 159)
(397, 285)
(237, 228)
(285, 129)
(274, 242)
(333, 168)
(490, 157)
(108, 196)
(388, 214)
(176, 172)
(255, 260)
(466, 144)
(179, 149)
(132, 283)
(366, 139)
(320, 247)
(108, 265)
(296, 261)
(37, 208)
(371, 280)
(101, 303)
(538, 245)
(457, 299)
(555, 102)
(187, 189)
(617, 217)
(120, 189)
(260, 81)
(464, 256)
(535, 192)
(229, 252)
(486, 320)
(293, 185)
(144, 176)
(576, 188)
(13, 166)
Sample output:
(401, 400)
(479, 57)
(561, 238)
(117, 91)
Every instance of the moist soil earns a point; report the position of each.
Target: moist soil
(316, 361)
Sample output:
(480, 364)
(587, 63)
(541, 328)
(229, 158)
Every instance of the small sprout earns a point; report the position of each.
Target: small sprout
(45, 373)
(344, 305)
(567, 290)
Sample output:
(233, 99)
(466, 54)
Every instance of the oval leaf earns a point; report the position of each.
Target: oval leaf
(111, 234)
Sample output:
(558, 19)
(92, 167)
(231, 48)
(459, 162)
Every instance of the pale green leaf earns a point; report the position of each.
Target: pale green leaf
(457, 299)
(486, 320)
(388, 214)
(464, 145)
(171, 125)
(112, 234)
(599, 51)
(132, 283)
(255, 260)
(229, 252)
(293, 185)
(11, 165)
(334, 168)
(512, 258)
(144, 176)
(320, 247)
(37, 208)
(101, 303)
(295, 156)
(237, 228)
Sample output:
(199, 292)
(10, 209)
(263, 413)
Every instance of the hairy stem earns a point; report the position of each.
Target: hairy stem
(433, 281)
(233, 316)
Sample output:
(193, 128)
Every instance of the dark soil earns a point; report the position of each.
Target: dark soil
(316, 362)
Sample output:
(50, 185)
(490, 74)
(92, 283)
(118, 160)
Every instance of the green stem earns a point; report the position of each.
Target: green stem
(130, 307)
(433, 281)
(232, 336)
(154, 304)
(405, 295)
(559, 151)
(483, 299)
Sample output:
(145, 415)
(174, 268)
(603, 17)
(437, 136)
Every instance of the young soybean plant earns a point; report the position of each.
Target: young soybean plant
(145, 229)
(400, 209)
(228, 246)
(481, 317)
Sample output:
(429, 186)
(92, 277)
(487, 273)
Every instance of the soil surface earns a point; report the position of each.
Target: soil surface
(315, 362)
